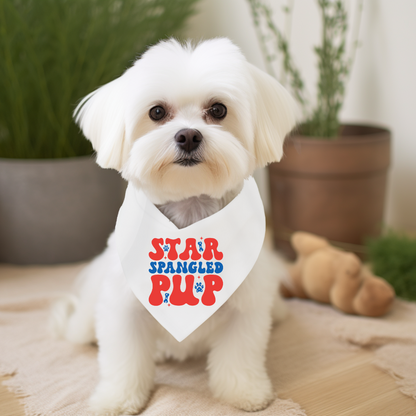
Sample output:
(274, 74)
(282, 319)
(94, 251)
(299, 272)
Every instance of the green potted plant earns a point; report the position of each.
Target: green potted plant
(393, 256)
(332, 179)
(56, 205)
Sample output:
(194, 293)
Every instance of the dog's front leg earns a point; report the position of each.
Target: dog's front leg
(236, 364)
(126, 345)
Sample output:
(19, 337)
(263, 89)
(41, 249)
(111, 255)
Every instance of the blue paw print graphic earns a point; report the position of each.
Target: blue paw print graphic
(200, 246)
(166, 247)
(199, 287)
(166, 298)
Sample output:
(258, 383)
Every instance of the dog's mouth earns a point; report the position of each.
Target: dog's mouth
(189, 159)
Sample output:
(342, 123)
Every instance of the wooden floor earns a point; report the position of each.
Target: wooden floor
(353, 387)
(9, 403)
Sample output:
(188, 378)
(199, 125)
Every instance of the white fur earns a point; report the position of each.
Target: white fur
(115, 119)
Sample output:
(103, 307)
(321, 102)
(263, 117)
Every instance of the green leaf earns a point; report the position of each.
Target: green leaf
(54, 52)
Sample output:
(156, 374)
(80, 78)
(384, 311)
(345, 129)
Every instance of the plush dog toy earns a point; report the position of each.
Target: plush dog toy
(329, 275)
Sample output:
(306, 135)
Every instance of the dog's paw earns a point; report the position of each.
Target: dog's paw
(113, 401)
(251, 396)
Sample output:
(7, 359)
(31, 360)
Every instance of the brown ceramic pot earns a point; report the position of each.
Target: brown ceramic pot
(333, 188)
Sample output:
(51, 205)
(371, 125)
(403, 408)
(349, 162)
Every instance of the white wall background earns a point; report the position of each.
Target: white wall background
(382, 87)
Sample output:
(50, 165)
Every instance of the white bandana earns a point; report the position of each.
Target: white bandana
(182, 276)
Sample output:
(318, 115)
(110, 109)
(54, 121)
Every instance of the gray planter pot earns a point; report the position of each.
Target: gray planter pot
(56, 211)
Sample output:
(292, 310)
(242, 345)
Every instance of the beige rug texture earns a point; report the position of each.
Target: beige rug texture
(53, 377)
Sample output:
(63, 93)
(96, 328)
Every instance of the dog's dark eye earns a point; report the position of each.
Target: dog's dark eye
(157, 113)
(218, 111)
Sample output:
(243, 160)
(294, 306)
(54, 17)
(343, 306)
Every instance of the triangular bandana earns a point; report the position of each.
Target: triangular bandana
(182, 276)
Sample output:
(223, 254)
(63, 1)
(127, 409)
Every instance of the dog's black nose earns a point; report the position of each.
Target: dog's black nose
(188, 139)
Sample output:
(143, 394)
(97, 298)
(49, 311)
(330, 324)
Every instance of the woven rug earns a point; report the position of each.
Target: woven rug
(53, 377)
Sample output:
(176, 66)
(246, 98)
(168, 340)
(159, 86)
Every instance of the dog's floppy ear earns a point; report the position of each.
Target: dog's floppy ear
(101, 118)
(275, 117)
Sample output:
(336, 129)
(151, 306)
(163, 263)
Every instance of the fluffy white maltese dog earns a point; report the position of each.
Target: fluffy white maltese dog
(186, 124)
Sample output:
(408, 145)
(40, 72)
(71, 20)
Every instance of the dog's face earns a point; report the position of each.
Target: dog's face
(186, 121)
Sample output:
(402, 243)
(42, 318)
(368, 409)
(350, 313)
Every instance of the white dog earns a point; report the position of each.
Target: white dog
(187, 125)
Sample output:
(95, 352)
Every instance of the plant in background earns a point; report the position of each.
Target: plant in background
(53, 52)
(393, 257)
(334, 64)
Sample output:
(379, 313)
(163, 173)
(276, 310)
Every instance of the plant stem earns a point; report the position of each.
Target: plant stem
(333, 64)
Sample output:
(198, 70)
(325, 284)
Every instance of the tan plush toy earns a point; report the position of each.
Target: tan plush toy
(330, 275)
